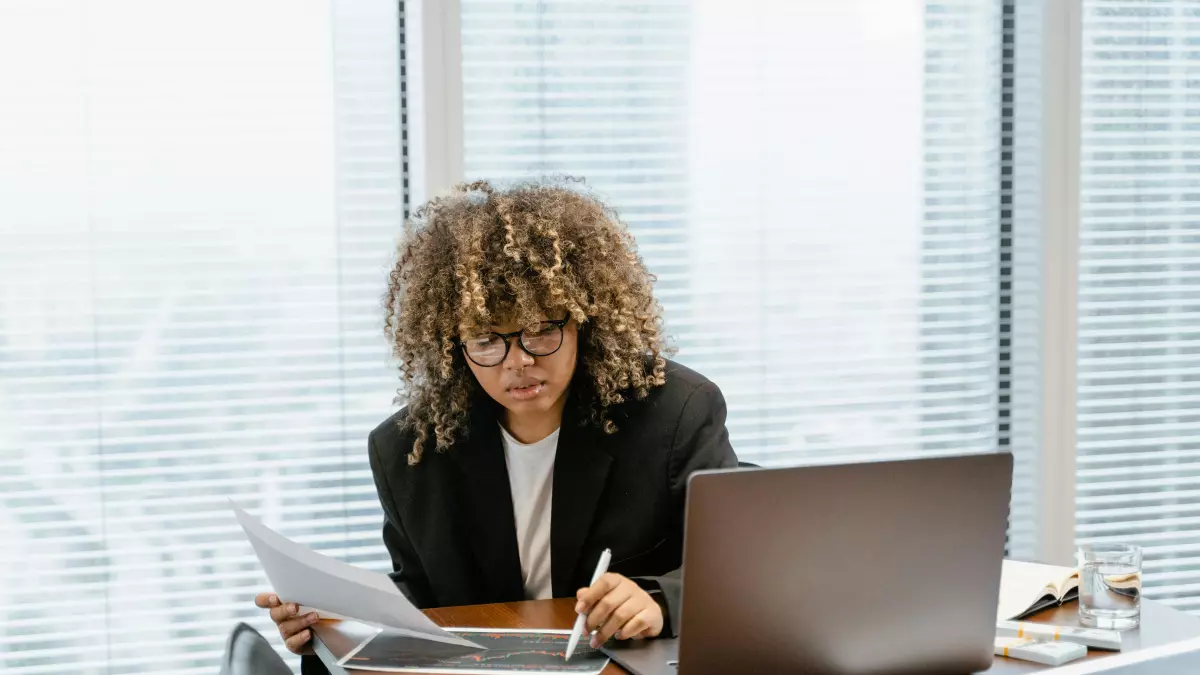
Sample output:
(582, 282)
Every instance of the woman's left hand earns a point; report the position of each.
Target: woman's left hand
(617, 607)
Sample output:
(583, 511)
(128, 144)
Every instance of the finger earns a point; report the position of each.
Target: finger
(289, 628)
(284, 612)
(588, 597)
(619, 617)
(296, 643)
(647, 624)
(603, 610)
(265, 600)
(633, 627)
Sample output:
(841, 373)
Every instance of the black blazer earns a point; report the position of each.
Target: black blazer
(449, 523)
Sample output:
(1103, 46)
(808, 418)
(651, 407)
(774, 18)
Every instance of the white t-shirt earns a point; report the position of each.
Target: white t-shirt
(531, 478)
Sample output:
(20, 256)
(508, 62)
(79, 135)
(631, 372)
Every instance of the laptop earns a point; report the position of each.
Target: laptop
(852, 569)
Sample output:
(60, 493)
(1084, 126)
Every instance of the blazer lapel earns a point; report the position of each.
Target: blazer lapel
(580, 472)
(489, 510)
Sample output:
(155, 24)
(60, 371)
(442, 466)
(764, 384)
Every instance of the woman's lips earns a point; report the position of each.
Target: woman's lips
(527, 392)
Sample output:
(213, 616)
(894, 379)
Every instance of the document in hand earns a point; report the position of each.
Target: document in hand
(335, 589)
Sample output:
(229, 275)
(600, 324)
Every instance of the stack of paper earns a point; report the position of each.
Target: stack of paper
(1089, 637)
(1051, 645)
(1037, 651)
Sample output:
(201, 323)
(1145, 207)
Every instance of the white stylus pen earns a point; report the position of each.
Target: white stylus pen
(581, 620)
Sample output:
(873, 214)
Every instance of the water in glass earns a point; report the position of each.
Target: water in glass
(1110, 594)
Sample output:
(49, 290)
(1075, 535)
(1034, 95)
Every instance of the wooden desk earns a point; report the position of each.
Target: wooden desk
(1161, 625)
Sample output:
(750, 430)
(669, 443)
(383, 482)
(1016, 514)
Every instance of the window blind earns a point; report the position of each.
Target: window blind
(197, 206)
(815, 184)
(1139, 347)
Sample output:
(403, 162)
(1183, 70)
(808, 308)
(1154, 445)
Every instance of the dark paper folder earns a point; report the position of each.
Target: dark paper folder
(504, 651)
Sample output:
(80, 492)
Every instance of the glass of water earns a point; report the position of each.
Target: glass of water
(1110, 586)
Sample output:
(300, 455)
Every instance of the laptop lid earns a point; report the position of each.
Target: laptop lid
(871, 567)
(646, 657)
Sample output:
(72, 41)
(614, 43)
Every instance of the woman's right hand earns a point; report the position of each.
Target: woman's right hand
(293, 628)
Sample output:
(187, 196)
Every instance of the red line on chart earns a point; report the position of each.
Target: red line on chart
(532, 639)
(480, 658)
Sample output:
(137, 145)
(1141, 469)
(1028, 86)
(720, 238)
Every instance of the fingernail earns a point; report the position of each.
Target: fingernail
(617, 635)
(578, 607)
(294, 608)
(312, 617)
(274, 601)
(595, 643)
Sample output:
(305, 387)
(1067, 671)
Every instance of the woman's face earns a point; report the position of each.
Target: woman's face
(523, 383)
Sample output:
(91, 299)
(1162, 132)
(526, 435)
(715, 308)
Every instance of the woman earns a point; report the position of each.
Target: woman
(542, 424)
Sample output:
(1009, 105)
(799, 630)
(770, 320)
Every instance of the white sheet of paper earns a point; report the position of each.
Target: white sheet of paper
(335, 589)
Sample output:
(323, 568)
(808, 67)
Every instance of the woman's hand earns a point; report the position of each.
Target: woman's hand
(293, 627)
(617, 607)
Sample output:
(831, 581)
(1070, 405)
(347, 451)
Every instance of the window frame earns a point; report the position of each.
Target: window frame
(1060, 168)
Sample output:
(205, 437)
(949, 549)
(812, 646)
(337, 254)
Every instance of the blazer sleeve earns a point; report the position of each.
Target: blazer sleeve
(701, 441)
(408, 574)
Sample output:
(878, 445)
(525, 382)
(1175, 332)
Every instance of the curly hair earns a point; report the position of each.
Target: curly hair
(484, 255)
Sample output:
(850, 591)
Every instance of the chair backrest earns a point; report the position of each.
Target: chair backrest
(248, 653)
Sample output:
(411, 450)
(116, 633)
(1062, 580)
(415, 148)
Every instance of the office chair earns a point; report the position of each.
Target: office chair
(248, 653)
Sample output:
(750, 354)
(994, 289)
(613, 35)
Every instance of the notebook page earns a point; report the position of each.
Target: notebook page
(1022, 584)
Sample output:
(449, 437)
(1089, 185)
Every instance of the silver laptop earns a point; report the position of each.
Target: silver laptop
(866, 568)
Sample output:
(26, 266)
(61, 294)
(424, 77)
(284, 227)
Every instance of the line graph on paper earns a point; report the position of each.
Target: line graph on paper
(505, 651)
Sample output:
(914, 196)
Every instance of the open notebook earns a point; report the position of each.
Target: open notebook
(1026, 588)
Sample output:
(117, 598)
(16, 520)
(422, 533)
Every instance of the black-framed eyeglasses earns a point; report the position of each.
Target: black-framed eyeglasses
(490, 349)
